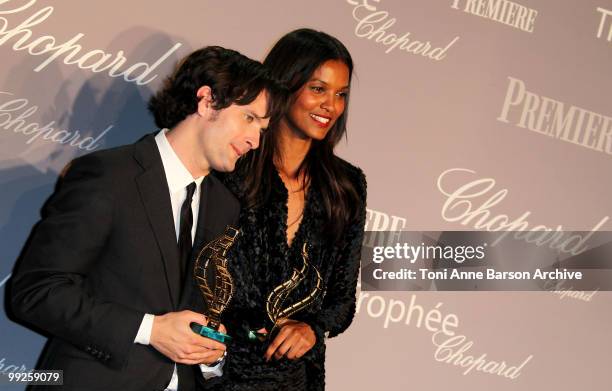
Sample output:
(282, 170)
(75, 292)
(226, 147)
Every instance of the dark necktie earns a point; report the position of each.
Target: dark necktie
(184, 241)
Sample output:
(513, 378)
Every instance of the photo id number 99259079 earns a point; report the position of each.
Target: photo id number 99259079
(34, 377)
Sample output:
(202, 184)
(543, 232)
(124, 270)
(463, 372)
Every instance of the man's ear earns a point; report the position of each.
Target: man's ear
(205, 101)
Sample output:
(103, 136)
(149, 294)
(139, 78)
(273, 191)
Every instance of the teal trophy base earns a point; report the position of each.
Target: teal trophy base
(210, 333)
(254, 336)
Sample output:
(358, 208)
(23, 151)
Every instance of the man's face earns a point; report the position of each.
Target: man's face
(231, 132)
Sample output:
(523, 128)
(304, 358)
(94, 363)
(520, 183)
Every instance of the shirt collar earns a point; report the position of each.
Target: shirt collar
(177, 175)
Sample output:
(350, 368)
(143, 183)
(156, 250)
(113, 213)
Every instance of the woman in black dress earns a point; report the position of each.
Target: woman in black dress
(294, 190)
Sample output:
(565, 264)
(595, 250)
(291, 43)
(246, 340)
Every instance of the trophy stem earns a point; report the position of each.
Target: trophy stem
(276, 299)
(215, 282)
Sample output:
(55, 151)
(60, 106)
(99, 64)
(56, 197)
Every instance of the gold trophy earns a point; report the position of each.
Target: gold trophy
(275, 305)
(215, 282)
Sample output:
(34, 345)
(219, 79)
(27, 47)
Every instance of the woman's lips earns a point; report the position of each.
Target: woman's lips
(320, 120)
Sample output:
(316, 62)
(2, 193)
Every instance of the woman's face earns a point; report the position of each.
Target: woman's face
(320, 102)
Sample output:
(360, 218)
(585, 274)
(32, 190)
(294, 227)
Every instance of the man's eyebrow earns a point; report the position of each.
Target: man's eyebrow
(251, 112)
(259, 117)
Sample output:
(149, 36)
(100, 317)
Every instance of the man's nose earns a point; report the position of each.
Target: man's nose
(252, 139)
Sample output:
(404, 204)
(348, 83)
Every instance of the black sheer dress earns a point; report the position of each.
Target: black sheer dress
(261, 260)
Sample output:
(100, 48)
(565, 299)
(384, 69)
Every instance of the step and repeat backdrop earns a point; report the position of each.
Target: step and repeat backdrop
(465, 114)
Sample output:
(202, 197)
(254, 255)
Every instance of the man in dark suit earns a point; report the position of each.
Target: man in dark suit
(107, 269)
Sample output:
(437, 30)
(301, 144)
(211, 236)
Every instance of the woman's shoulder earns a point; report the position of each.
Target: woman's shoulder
(354, 174)
(234, 180)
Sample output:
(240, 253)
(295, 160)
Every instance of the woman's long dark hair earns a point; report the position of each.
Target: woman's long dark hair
(293, 60)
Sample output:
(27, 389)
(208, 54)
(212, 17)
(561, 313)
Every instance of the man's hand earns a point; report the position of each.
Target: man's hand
(293, 341)
(172, 337)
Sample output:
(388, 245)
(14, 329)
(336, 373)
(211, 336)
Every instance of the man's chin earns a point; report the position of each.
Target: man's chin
(228, 167)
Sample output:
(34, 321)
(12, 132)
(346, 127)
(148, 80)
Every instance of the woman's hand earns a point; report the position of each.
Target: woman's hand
(292, 341)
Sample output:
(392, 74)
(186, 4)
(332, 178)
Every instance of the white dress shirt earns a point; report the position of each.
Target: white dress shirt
(178, 178)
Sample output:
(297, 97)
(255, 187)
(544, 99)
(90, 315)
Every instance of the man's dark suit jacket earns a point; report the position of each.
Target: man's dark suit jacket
(104, 254)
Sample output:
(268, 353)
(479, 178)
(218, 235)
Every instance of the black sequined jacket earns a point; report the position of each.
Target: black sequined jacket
(261, 259)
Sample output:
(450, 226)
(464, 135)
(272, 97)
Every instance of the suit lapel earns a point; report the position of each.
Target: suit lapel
(154, 193)
(214, 214)
(204, 210)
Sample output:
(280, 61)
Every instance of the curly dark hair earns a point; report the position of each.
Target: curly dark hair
(232, 77)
